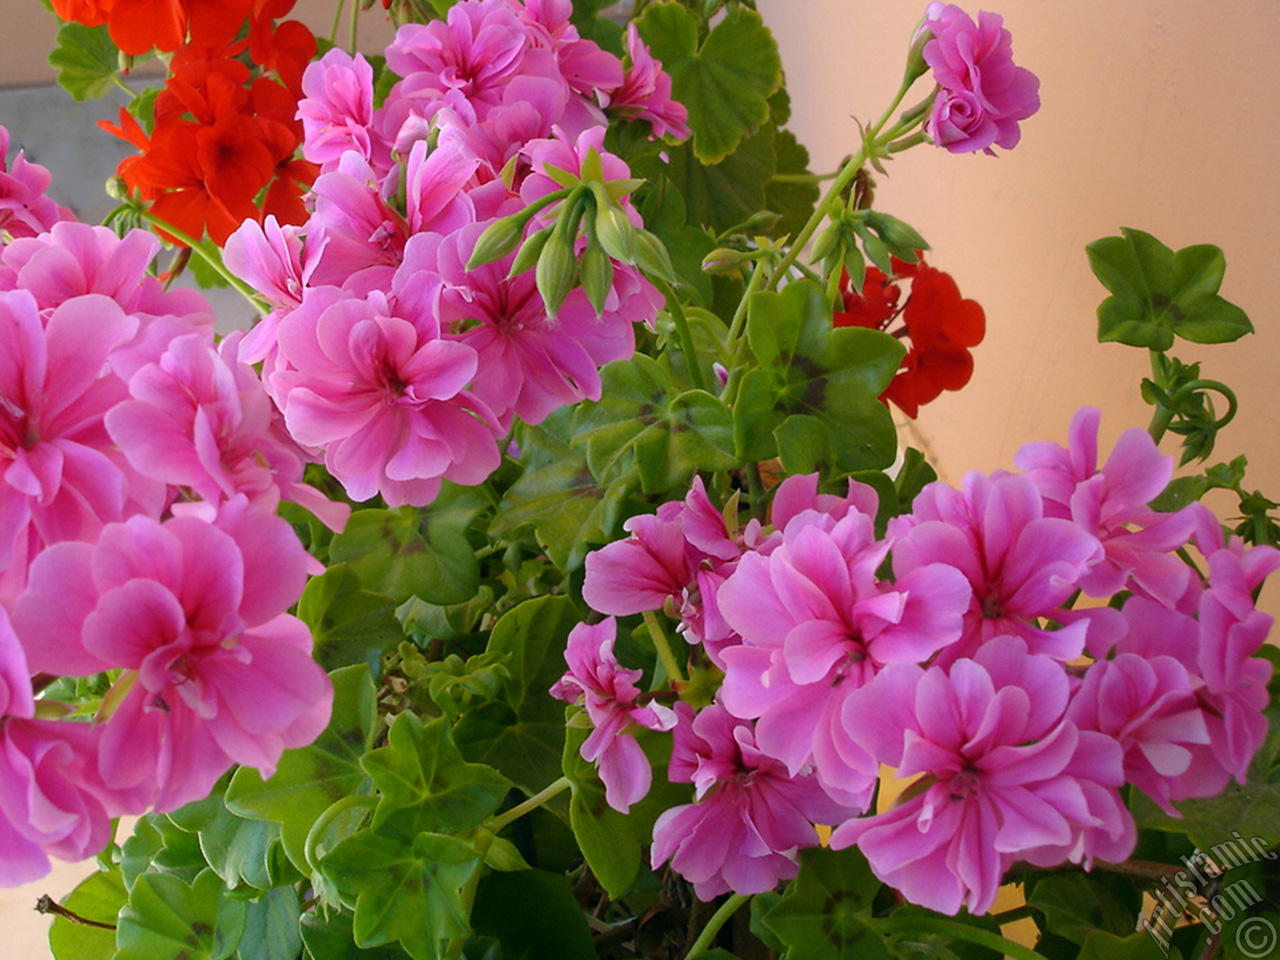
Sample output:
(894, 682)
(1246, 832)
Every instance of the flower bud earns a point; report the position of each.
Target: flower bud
(597, 276)
(530, 250)
(725, 261)
(556, 272)
(499, 239)
(616, 233)
(652, 257)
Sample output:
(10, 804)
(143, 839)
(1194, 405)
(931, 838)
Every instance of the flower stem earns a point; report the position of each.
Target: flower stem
(212, 259)
(676, 309)
(537, 800)
(663, 646)
(47, 905)
(718, 920)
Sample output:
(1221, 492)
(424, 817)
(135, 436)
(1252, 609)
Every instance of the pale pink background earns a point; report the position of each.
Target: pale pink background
(1159, 116)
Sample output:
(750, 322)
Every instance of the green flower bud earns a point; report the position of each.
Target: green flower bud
(597, 276)
(557, 271)
(616, 233)
(498, 239)
(530, 250)
(652, 257)
(725, 261)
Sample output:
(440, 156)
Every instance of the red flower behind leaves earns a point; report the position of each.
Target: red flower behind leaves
(225, 140)
(940, 325)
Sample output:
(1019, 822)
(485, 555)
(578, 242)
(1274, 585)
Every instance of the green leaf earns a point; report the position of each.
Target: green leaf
(98, 897)
(808, 368)
(523, 737)
(239, 849)
(86, 61)
(271, 927)
(1073, 904)
(637, 424)
(722, 195)
(534, 915)
(406, 892)
(331, 938)
(611, 842)
(167, 919)
(1157, 293)
(309, 780)
(425, 783)
(350, 625)
(558, 496)
(1099, 945)
(795, 201)
(823, 912)
(409, 552)
(725, 82)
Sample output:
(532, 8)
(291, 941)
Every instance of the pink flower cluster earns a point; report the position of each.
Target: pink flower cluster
(1018, 718)
(383, 350)
(140, 471)
(982, 95)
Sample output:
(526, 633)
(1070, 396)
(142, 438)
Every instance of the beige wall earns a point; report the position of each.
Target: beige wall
(1155, 116)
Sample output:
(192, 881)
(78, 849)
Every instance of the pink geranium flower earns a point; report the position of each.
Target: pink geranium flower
(52, 801)
(60, 478)
(1003, 776)
(25, 211)
(530, 365)
(751, 817)
(645, 92)
(1021, 564)
(1111, 502)
(193, 612)
(337, 108)
(816, 624)
(384, 397)
(983, 94)
(610, 695)
(200, 421)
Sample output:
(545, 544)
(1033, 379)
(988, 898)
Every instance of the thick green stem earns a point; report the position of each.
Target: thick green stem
(755, 487)
(337, 19)
(718, 920)
(676, 308)
(806, 233)
(212, 259)
(732, 346)
(957, 931)
(355, 22)
(533, 803)
(663, 646)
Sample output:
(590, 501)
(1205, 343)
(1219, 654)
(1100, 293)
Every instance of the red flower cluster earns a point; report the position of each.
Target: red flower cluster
(222, 149)
(940, 325)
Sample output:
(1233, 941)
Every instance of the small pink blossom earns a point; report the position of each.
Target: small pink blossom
(337, 107)
(25, 211)
(645, 92)
(52, 801)
(1021, 564)
(60, 477)
(1111, 502)
(610, 695)
(816, 624)
(200, 421)
(983, 94)
(751, 817)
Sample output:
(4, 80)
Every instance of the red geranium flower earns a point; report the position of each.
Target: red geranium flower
(940, 325)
